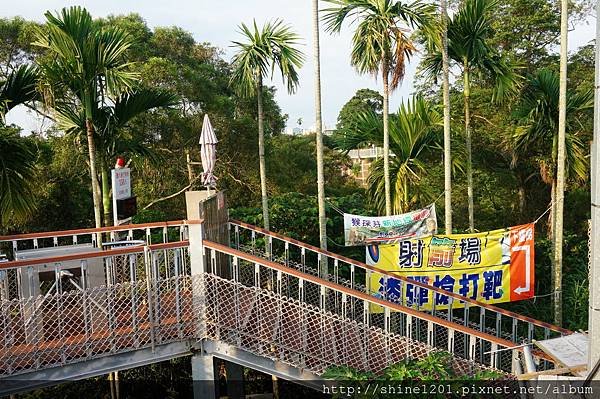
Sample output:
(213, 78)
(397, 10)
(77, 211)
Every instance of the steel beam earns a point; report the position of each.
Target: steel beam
(93, 368)
(263, 364)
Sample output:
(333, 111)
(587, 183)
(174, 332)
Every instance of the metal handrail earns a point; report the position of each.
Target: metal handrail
(107, 229)
(352, 293)
(16, 264)
(91, 321)
(94, 236)
(366, 317)
(371, 269)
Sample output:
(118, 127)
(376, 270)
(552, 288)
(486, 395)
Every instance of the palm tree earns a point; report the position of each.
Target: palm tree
(319, 128)
(447, 133)
(539, 136)
(17, 157)
(381, 44)
(560, 168)
(111, 139)
(85, 66)
(468, 46)
(414, 133)
(273, 46)
(536, 136)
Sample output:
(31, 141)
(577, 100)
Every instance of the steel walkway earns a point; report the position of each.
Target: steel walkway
(266, 301)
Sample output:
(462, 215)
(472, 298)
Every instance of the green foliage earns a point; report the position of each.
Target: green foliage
(18, 88)
(171, 59)
(87, 60)
(380, 41)
(528, 31)
(296, 215)
(17, 169)
(536, 137)
(292, 167)
(414, 135)
(470, 47)
(345, 373)
(363, 101)
(436, 366)
(264, 50)
(15, 46)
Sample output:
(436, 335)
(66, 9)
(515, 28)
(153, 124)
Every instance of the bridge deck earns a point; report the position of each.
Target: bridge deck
(270, 306)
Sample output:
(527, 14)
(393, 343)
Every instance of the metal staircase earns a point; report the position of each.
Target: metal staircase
(265, 301)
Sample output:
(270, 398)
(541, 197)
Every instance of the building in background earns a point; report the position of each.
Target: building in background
(299, 131)
(361, 162)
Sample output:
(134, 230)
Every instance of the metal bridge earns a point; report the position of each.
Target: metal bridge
(254, 298)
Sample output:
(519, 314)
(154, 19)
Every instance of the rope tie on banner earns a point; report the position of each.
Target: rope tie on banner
(543, 214)
(329, 239)
(555, 293)
(335, 208)
(439, 196)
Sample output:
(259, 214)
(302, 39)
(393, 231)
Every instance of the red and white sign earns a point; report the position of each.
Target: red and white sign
(121, 190)
(121, 179)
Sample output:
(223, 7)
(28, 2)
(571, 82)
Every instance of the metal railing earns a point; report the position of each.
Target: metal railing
(158, 232)
(67, 309)
(352, 274)
(282, 313)
(115, 301)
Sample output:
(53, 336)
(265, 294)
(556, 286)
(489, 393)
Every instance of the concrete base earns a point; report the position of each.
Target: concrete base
(193, 200)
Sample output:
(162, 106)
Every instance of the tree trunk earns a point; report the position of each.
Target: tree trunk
(106, 203)
(386, 137)
(467, 97)
(560, 170)
(447, 139)
(94, 175)
(261, 156)
(319, 130)
(189, 168)
(552, 216)
(521, 194)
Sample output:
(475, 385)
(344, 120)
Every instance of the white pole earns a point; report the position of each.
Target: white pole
(594, 313)
(113, 180)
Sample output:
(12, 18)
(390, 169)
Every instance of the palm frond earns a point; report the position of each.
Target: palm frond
(414, 132)
(469, 33)
(85, 60)
(19, 88)
(131, 104)
(262, 52)
(536, 116)
(17, 168)
(366, 129)
(381, 41)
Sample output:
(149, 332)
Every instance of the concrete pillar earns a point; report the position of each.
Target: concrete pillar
(203, 376)
(193, 200)
(192, 203)
(197, 261)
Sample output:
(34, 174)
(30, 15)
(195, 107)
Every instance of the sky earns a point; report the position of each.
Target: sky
(216, 22)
